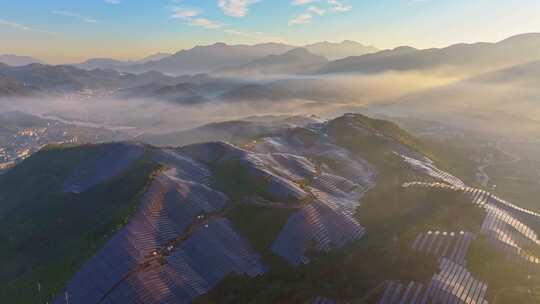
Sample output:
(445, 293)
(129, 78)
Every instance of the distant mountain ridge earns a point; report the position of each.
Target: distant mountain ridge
(335, 51)
(295, 61)
(512, 51)
(15, 60)
(65, 78)
(109, 63)
(220, 56)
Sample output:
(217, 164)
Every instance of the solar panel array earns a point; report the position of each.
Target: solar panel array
(328, 221)
(118, 157)
(183, 167)
(315, 223)
(192, 269)
(452, 284)
(427, 167)
(290, 166)
(125, 270)
(450, 245)
(507, 233)
(504, 224)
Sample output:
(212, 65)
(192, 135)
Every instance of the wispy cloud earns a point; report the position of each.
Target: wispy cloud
(316, 10)
(112, 1)
(339, 6)
(184, 13)
(22, 27)
(318, 7)
(236, 8)
(76, 15)
(303, 2)
(301, 19)
(192, 17)
(206, 23)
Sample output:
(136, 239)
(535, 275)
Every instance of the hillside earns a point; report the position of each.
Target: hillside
(296, 61)
(290, 215)
(344, 49)
(12, 87)
(15, 60)
(468, 57)
(64, 78)
(209, 58)
(109, 63)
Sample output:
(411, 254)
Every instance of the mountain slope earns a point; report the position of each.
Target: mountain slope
(210, 58)
(65, 78)
(479, 56)
(109, 63)
(12, 87)
(296, 61)
(335, 51)
(14, 60)
(46, 230)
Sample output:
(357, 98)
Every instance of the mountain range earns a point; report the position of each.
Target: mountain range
(221, 56)
(15, 60)
(478, 56)
(107, 63)
(295, 61)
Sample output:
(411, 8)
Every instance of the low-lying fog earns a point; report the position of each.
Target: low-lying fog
(439, 96)
(326, 97)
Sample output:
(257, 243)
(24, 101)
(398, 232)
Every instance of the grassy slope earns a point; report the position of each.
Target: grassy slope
(508, 284)
(47, 234)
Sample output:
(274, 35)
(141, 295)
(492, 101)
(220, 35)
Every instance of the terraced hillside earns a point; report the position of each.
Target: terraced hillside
(348, 210)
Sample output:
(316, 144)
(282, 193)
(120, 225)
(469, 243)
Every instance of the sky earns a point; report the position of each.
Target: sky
(67, 31)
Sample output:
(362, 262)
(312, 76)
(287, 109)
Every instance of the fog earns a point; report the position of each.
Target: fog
(435, 95)
(325, 97)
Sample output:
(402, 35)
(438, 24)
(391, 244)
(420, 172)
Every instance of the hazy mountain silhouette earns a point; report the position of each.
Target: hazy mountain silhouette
(335, 51)
(15, 60)
(478, 56)
(296, 61)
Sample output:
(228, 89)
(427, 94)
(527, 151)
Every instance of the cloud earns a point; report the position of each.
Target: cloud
(235, 8)
(203, 22)
(303, 2)
(22, 27)
(301, 19)
(183, 13)
(191, 17)
(322, 7)
(75, 15)
(112, 1)
(316, 10)
(338, 6)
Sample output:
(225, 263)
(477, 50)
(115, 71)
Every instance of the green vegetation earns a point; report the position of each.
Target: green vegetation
(517, 182)
(46, 234)
(508, 282)
(259, 225)
(233, 178)
(379, 136)
(391, 209)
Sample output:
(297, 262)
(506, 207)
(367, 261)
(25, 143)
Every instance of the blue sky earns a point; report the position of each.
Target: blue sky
(67, 30)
